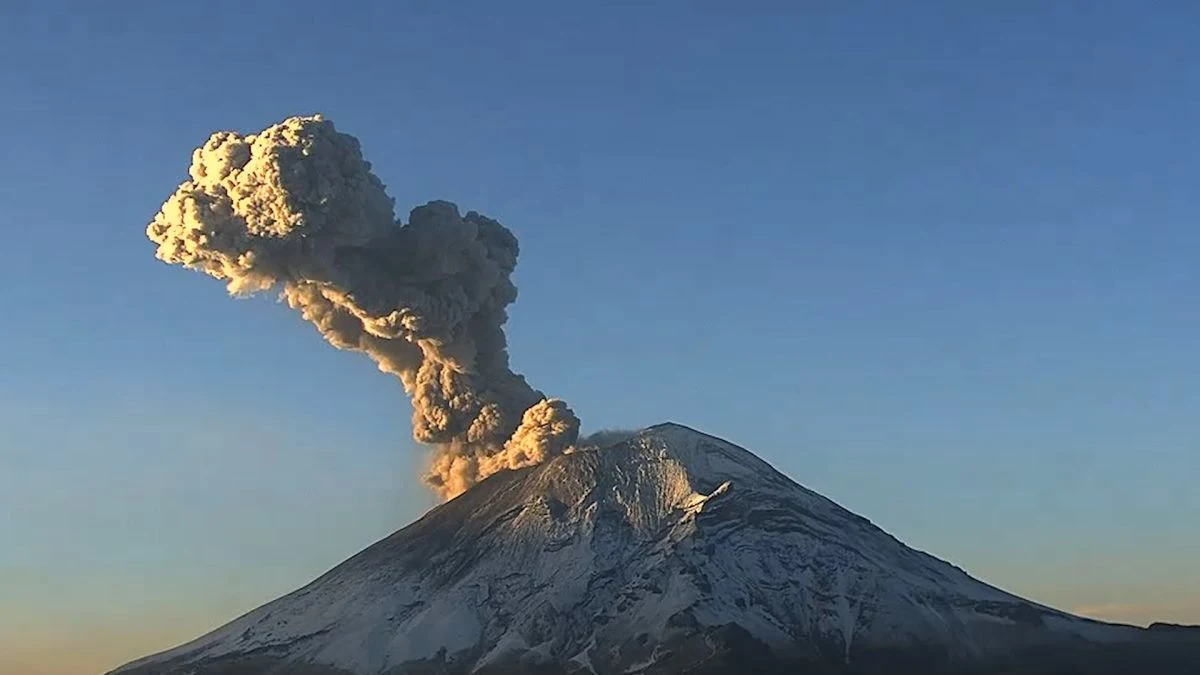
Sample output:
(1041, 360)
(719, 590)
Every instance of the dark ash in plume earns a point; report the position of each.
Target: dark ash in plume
(296, 208)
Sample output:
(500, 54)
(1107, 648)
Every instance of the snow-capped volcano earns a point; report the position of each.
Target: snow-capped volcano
(662, 552)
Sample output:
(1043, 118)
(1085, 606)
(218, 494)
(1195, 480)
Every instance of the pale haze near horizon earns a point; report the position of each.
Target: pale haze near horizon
(937, 265)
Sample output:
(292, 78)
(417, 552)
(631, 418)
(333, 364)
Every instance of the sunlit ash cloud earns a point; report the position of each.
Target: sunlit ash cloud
(296, 209)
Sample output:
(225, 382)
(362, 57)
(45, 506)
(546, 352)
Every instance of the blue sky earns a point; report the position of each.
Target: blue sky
(937, 263)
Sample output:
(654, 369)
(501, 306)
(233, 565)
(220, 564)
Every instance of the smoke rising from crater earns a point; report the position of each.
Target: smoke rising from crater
(295, 208)
(603, 438)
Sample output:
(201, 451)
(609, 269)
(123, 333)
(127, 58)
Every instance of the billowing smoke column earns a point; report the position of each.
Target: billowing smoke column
(296, 208)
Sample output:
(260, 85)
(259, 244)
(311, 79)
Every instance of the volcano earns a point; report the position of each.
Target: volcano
(670, 551)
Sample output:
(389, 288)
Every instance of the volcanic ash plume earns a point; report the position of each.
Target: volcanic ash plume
(297, 208)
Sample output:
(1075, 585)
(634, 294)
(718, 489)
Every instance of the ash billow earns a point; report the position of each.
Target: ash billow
(296, 208)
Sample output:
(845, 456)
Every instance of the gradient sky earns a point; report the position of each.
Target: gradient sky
(938, 264)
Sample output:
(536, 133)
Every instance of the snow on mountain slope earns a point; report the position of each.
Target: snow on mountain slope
(606, 558)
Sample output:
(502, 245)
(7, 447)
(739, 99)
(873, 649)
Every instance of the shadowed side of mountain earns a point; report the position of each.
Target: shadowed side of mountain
(730, 650)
